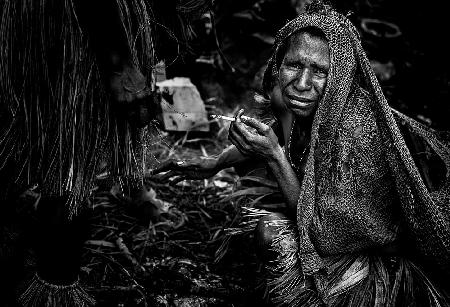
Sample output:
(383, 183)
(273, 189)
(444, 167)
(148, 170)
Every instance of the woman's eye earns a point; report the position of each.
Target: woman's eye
(320, 72)
(294, 65)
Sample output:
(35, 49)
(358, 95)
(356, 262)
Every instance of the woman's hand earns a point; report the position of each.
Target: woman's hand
(252, 137)
(197, 168)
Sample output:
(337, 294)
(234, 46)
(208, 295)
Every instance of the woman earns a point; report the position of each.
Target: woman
(354, 195)
(348, 178)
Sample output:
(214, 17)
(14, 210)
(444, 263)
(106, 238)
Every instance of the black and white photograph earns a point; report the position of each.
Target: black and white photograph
(196, 153)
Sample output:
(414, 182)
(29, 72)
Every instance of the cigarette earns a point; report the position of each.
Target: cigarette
(228, 118)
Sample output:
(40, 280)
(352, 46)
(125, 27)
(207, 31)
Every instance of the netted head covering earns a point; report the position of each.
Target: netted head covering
(358, 161)
(342, 76)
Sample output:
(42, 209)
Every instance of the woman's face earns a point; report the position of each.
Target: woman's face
(304, 72)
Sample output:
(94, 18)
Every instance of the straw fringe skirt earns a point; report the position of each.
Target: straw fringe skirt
(356, 279)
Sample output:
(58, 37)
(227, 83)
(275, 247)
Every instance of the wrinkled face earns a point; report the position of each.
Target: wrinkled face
(303, 73)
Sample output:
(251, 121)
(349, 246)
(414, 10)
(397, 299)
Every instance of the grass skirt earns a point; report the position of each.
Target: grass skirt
(352, 280)
(43, 294)
(357, 279)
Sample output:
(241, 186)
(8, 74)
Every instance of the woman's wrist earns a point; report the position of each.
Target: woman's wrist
(278, 162)
(277, 156)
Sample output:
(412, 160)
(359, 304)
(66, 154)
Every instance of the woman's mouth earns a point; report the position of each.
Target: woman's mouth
(296, 101)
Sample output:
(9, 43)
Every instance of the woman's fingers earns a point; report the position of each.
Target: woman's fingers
(239, 136)
(244, 132)
(239, 114)
(235, 137)
(238, 142)
(240, 128)
(260, 127)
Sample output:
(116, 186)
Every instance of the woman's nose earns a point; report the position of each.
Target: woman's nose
(303, 82)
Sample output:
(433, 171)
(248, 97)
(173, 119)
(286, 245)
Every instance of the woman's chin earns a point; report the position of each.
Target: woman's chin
(300, 108)
(303, 112)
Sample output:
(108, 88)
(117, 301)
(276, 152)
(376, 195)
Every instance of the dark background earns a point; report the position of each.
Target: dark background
(419, 87)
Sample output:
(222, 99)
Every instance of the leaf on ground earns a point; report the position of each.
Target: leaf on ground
(101, 243)
(264, 181)
(256, 191)
(220, 183)
(149, 195)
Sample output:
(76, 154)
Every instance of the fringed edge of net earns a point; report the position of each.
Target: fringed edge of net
(286, 281)
(40, 293)
(245, 226)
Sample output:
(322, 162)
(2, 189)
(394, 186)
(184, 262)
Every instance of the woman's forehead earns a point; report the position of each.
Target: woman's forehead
(307, 44)
(307, 38)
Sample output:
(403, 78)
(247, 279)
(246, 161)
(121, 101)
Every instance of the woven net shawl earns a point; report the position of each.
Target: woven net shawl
(353, 139)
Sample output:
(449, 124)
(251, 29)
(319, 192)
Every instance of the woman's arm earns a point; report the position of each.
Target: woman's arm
(199, 168)
(229, 157)
(261, 141)
(287, 181)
